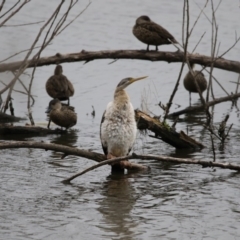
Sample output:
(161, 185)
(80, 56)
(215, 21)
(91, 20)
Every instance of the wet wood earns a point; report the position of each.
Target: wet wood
(54, 147)
(204, 163)
(192, 109)
(87, 56)
(27, 130)
(164, 132)
(98, 157)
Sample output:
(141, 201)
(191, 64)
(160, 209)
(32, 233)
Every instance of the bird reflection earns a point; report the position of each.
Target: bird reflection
(116, 205)
(68, 139)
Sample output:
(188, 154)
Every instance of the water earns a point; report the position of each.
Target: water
(173, 201)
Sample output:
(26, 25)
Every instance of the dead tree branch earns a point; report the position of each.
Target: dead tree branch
(204, 163)
(87, 56)
(100, 157)
(208, 104)
(164, 132)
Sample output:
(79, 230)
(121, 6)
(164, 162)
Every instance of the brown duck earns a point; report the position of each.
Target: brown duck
(189, 83)
(151, 33)
(58, 86)
(61, 115)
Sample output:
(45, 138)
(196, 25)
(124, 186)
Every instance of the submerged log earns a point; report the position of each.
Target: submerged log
(165, 132)
(27, 130)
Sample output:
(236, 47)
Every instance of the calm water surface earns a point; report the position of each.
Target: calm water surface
(171, 201)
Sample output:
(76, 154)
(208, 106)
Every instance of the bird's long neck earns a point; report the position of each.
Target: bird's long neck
(192, 65)
(121, 99)
(57, 72)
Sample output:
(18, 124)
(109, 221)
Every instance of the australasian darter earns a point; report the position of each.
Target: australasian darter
(189, 83)
(151, 33)
(58, 86)
(118, 126)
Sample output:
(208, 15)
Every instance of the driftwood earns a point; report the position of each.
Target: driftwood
(100, 157)
(201, 107)
(27, 130)
(164, 132)
(159, 158)
(88, 56)
(66, 150)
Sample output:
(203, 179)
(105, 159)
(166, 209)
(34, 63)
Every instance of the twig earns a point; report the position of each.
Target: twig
(129, 166)
(27, 92)
(185, 44)
(196, 21)
(219, 84)
(238, 82)
(213, 148)
(13, 13)
(1, 6)
(198, 42)
(75, 17)
(203, 13)
(15, 54)
(8, 9)
(234, 44)
(24, 24)
(14, 90)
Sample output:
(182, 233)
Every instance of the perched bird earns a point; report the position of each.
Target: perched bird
(61, 115)
(58, 86)
(189, 82)
(118, 126)
(151, 33)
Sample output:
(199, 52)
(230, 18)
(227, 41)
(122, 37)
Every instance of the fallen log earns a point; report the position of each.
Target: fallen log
(165, 132)
(27, 130)
(87, 56)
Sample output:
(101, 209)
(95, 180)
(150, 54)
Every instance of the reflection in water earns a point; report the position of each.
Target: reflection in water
(116, 206)
(68, 138)
(176, 201)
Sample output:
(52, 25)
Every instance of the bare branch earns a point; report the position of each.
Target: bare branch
(221, 63)
(8, 9)
(24, 24)
(100, 157)
(17, 54)
(201, 107)
(75, 17)
(13, 13)
(198, 18)
(1, 6)
(198, 42)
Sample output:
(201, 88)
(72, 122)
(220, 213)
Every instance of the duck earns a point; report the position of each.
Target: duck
(151, 33)
(62, 115)
(189, 83)
(58, 86)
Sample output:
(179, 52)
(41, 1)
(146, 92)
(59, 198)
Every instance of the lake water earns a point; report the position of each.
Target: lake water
(172, 201)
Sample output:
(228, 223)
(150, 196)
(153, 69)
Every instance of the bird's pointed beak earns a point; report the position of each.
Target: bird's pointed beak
(137, 79)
